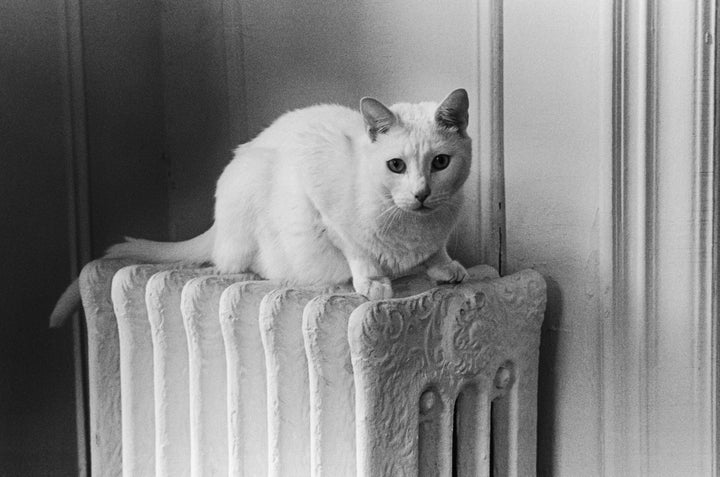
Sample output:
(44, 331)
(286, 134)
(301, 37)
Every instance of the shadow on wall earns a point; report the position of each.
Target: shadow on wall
(547, 382)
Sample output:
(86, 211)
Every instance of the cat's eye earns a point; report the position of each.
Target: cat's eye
(396, 165)
(440, 162)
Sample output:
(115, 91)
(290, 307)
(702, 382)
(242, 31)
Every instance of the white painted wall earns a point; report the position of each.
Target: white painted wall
(556, 152)
(300, 53)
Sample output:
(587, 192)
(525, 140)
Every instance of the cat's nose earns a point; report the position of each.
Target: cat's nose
(422, 195)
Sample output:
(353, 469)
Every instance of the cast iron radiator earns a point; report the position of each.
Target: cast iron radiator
(196, 373)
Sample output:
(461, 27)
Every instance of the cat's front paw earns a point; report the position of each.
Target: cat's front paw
(450, 272)
(373, 288)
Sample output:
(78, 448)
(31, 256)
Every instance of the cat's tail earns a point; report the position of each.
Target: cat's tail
(68, 304)
(194, 251)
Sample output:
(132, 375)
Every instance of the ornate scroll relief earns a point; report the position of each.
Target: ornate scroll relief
(413, 357)
(103, 366)
(200, 304)
(332, 389)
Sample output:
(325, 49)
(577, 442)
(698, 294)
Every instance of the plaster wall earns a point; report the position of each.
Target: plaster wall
(556, 154)
(123, 102)
(298, 54)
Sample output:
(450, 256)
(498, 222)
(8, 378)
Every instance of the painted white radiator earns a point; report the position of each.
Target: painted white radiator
(195, 373)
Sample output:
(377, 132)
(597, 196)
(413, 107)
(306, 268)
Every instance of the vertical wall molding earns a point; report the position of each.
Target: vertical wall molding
(715, 253)
(659, 362)
(634, 214)
(491, 144)
(76, 153)
(77, 184)
(706, 222)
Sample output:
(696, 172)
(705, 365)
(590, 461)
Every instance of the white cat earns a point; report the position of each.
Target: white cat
(327, 194)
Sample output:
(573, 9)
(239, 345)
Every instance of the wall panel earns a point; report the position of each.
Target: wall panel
(124, 111)
(612, 194)
(37, 386)
(663, 335)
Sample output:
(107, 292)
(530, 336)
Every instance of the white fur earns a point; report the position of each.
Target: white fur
(311, 200)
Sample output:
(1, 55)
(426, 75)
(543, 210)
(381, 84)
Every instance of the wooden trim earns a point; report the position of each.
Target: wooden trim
(491, 147)
(76, 152)
(715, 256)
(634, 213)
(660, 338)
(77, 184)
(706, 220)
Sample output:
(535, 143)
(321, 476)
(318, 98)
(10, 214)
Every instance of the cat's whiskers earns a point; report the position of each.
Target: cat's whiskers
(384, 218)
(394, 213)
(387, 210)
(388, 221)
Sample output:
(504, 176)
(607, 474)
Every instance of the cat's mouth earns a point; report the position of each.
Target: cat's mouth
(415, 207)
(421, 209)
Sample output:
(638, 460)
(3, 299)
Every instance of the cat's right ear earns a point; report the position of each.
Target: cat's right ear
(378, 118)
(453, 112)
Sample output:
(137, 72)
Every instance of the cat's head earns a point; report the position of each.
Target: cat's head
(421, 152)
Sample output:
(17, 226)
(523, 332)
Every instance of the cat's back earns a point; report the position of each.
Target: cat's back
(303, 127)
(308, 148)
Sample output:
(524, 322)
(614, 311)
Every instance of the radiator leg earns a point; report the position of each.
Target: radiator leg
(170, 366)
(246, 381)
(200, 304)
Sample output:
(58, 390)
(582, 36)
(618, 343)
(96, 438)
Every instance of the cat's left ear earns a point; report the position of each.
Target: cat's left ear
(378, 118)
(453, 111)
